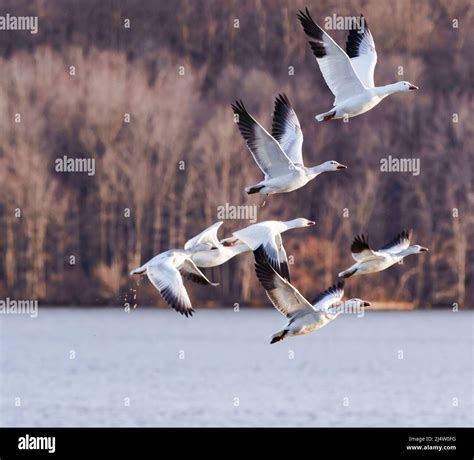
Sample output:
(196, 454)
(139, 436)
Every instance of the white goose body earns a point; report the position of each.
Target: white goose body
(349, 74)
(303, 317)
(356, 105)
(370, 261)
(282, 184)
(308, 322)
(279, 155)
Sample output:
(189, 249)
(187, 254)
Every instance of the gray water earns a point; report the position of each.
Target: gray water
(104, 367)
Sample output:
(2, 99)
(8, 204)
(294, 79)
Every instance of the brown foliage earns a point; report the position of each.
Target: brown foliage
(186, 120)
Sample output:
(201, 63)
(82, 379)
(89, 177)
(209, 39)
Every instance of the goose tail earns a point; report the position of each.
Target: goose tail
(139, 270)
(253, 189)
(326, 116)
(347, 273)
(280, 335)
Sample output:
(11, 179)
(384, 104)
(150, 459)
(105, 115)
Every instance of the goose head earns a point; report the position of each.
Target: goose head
(416, 249)
(300, 222)
(402, 86)
(359, 303)
(324, 167)
(332, 166)
(354, 306)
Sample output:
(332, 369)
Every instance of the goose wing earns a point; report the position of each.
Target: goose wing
(283, 295)
(286, 129)
(399, 243)
(189, 270)
(361, 250)
(334, 63)
(207, 236)
(269, 241)
(329, 297)
(360, 47)
(168, 279)
(265, 149)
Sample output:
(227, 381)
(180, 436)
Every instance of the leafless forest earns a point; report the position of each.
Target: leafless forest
(71, 239)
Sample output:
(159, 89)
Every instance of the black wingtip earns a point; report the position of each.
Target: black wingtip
(282, 99)
(313, 31)
(360, 243)
(188, 313)
(281, 112)
(238, 106)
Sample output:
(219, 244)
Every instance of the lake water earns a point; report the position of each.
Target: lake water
(153, 367)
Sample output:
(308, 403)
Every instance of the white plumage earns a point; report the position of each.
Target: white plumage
(303, 316)
(349, 76)
(370, 261)
(267, 236)
(166, 272)
(278, 155)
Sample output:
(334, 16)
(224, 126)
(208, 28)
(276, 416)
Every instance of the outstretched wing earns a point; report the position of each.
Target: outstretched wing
(265, 149)
(286, 129)
(190, 271)
(360, 48)
(399, 243)
(283, 268)
(284, 296)
(329, 297)
(208, 236)
(360, 248)
(167, 279)
(333, 62)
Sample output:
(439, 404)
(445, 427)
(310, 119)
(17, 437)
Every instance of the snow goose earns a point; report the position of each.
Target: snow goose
(166, 272)
(303, 316)
(349, 75)
(206, 250)
(370, 261)
(267, 236)
(278, 155)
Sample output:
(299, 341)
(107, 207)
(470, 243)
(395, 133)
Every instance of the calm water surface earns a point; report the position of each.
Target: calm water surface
(104, 367)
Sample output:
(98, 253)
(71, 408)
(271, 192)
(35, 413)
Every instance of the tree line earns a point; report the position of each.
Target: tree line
(150, 104)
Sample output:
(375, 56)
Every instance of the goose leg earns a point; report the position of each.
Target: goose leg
(262, 204)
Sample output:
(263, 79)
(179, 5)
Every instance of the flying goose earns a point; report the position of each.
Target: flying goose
(166, 272)
(206, 250)
(303, 316)
(278, 155)
(370, 261)
(349, 74)
(267, 236)
(167, 269)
